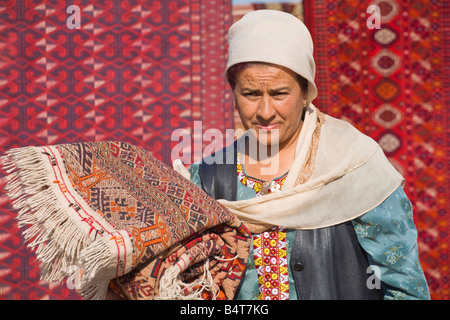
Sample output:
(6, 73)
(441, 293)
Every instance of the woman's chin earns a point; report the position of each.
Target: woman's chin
(267, 138)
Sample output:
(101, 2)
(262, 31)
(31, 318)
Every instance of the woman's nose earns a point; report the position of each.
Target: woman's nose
(266, 111)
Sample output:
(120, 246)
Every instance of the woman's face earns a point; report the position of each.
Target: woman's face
(270, 101)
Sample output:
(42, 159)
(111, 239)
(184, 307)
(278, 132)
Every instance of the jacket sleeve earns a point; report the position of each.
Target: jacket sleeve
(195, 176)
(389, 237)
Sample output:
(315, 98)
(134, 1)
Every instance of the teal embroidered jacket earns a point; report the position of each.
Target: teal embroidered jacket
(387, 234)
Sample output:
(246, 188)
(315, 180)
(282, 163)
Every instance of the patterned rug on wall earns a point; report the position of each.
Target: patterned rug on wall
(391, 81)
(133, 71)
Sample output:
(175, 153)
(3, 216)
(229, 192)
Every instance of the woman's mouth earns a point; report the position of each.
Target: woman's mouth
(267, 127)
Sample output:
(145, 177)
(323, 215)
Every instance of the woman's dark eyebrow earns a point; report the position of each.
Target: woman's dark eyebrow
(279, 89)
(249, 90)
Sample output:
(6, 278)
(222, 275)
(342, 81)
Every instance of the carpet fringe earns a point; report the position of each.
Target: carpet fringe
(172, 287)
(50, 231)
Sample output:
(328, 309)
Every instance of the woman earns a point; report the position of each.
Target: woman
(327, 211)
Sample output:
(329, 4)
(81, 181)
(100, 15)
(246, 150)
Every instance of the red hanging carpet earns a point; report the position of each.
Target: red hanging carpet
(392, 83)
(134, 71)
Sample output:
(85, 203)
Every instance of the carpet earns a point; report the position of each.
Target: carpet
(134, 71)
(101, 212)
(390, 80)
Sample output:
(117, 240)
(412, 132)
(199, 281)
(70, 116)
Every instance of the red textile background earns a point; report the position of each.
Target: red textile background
(135, 71)
(392, 83)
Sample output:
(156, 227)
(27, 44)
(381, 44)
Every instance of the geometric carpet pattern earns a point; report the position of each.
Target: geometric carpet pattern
(132, 71)
(390, 80)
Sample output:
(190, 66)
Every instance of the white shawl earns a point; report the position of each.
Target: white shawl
(351, 176)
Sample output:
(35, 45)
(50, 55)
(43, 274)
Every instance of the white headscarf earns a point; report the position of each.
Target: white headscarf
(274, 37)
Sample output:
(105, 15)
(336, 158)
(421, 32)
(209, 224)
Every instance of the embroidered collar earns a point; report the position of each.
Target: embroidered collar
(260, 186)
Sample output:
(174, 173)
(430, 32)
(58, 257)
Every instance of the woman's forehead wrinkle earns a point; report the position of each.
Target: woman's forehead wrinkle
(269, 79)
